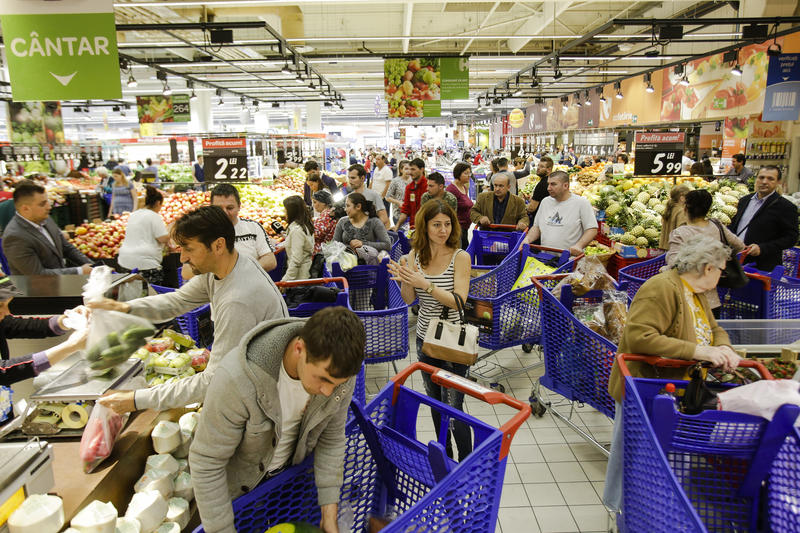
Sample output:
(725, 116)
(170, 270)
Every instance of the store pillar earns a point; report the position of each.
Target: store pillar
(201, 113)
(313, 117)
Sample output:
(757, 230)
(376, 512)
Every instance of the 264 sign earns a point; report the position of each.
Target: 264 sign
(659, 153)
(225, 160)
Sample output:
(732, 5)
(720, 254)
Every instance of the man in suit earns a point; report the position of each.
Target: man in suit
(500, 206)
(32, 242)
(766, 221)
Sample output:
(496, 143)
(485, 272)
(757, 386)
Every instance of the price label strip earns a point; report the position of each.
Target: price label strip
(225, 160)
(659, 153)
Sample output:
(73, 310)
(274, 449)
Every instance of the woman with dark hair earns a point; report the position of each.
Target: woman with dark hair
(696, 169)
(708, 169)
(433, 270)
(123, 194)
(145, 237)
(325, 223)
(299, 241)
(462, 173)
(697, 205)
(361, 226)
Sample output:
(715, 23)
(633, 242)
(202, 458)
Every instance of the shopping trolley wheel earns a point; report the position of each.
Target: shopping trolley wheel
(527, 348)
(498, 387)
(537, 408)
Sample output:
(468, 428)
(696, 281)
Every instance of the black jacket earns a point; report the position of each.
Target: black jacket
(773, 228)
(12, 327)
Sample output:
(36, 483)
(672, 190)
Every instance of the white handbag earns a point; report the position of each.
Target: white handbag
(456, 342)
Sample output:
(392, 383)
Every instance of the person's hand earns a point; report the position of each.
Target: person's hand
(484, 221)
(355, 243)
(330, 521)
(120, 402)
(754, 250)
(110, 305)
(717, 356)
(77, 340)
(86, 269)
(530, 208)
(575, 250)
(393, 228)
(733, 358)
(403, 273)
(81, 310)
(522, 225)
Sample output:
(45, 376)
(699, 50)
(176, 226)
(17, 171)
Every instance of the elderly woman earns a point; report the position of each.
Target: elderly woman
(670, 317)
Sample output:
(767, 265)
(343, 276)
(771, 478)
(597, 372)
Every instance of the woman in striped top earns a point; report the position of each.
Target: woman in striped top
(434, 269)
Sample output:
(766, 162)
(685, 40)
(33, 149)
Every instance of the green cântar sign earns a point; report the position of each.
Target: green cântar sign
(54, 55)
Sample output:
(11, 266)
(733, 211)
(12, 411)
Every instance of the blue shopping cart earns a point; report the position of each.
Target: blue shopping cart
(388, 472)
(490, 246)
(706, 472)
(196, 323)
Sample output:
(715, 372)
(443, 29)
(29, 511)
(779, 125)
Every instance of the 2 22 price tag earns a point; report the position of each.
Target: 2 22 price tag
(228, 169)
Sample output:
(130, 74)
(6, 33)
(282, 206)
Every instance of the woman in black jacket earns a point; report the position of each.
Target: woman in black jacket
(12, 327)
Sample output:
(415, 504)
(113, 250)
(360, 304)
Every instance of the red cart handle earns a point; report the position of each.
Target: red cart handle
(501, 227)
(466, 386)
(315, 281)
(744, 253)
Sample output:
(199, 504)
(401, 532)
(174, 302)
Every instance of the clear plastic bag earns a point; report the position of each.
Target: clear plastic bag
(336, 252)
(113, 336)
(589, 275)
(99, 436)
(615, 311)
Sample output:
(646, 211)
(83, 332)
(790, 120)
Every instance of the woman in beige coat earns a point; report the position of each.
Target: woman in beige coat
(674, 215)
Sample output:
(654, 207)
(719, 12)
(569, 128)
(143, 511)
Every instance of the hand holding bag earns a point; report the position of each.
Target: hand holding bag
(733, 277)
(456, 342)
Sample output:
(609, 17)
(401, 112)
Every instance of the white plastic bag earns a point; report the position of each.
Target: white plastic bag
(336, 252)
(761, 398)
(113, 336)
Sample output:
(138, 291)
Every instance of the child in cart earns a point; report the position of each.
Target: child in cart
(282, 394)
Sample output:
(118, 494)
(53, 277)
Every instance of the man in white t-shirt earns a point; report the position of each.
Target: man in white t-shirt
(381, 178)
(563, 220)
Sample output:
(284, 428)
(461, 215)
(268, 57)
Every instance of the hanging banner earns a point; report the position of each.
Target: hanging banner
(61, 50)
(659, 153)
(35, 122)
(734, 138)
(414, 88)
(160, 108)
(782, 98)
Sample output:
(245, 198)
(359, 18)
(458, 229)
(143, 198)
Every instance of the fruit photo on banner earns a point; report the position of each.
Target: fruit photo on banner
(159, 108)
(36, 122)
(409, 84)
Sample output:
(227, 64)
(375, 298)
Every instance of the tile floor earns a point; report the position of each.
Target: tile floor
(554, 477)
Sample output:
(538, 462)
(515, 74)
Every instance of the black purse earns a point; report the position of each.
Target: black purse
(697, 397)
(733, 277)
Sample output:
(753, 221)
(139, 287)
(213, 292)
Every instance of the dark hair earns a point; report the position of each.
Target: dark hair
(27, 189)
(436, 177)
(741, 158)
(547, 160)
(206, 224)
(502, 162)
(417, 162)
(311, 165)
(148, 161)
(152, 196)
(298, 211)
(313, 179)
(494, 165)
(560, 175)
(356, 198)
(420, 242)
(697, 169)
(624, 158)
(323, 196)
(459, 169)
(225, 190)
(401, 164)
(773, 167)
(344, 350)
(698, 202)
(708, 170)
(358, 167)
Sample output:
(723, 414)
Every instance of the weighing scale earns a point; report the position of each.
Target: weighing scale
(27, 468)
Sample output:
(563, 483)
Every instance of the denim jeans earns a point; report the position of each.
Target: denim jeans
(612, 493)
(459, 430)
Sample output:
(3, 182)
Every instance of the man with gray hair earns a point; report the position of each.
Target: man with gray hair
(563, 220)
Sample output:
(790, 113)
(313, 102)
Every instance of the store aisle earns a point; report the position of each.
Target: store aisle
(554, 478)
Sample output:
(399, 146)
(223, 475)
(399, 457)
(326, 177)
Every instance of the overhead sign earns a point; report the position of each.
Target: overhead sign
(61, 50)
(659, 153)
(36, 122)
(415, 87)
(160, 108)
(225, 160)
(516, 118)
(782, 98)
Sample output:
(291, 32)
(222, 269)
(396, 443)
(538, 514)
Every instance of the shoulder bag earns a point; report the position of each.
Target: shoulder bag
(733, 277)
(456, 342)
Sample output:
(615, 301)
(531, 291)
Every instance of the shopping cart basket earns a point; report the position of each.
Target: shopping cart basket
(779, 294)
(577, 360)
(791, 262)
(699, 473)
(636, 274)
(400, 247)
(368, 284)
(489, 247)
(280, 257)
(509, 317)
(782, 492)
(196, 323)
(387, 471)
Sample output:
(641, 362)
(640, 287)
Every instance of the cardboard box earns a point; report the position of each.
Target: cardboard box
(630, 251)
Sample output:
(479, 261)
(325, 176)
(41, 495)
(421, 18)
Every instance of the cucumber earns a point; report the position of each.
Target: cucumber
(114, 352)
(93, 354)
(137, 334)
(112, 339)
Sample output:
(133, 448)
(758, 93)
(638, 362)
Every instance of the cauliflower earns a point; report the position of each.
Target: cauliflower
(642, 242)
(627, 238)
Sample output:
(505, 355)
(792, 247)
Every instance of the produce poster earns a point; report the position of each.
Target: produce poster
(35, 122)
(160, 108)
(414, 88)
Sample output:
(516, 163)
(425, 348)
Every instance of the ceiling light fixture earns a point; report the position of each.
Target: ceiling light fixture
(167, 90)
(587, 99)
(542, 103)
(649, 81)
(684, 80)
(132, 81)
(193, 97)
(518, 92)
(577, 100)
(618, 87)
(276, 104)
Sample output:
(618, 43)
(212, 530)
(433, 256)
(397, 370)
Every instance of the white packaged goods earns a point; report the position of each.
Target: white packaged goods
(183, 486)
(162, 461)
(183, 465)
(97, 517)
(160, 480)
(39, 513)
(178, 511)
(149, 508)
(169, 527)
(188, 424)
(166, 437)
(182, 451)
(128, 525)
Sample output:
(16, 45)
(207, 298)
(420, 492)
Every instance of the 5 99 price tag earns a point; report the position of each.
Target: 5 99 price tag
(664, 163)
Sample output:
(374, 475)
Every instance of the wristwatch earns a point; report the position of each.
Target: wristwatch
(430, 288)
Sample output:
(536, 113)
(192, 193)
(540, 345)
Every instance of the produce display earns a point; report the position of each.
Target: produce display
(171, 357)
(177, 173)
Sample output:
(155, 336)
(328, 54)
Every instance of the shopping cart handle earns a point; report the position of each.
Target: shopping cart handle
(677, 363)
(466, 386)
(314, 281)
(501, 227)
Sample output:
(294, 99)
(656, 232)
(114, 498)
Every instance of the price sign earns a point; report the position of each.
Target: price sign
(659, 153)
(225, 160)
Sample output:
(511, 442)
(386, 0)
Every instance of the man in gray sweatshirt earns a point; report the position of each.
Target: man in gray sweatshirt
(282, 394)
(240, 292)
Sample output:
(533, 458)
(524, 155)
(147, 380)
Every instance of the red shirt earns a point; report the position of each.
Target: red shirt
(413, 198)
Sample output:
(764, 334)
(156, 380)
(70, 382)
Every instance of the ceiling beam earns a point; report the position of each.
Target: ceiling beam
(535, 27)
(409, 15)
(480, 26)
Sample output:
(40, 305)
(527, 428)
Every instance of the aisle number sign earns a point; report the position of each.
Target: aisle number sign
(61, 50)
(659, 153)
(225, 160)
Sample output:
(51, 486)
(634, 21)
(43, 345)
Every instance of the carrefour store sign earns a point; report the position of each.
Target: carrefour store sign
(61, 50)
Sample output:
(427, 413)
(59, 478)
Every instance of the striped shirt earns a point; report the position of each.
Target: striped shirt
(430, 307)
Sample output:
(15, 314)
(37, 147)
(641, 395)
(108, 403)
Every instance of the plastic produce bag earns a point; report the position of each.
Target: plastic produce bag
(761, 398)
(113, 336)
(99, 436)
(336, 252)
(533, 267)
(615, 311)
(589, 275)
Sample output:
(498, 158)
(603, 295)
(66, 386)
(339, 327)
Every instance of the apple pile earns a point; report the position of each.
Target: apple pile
(100, 240)
(177, 204)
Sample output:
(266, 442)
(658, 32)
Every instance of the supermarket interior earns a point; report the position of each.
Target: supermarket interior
(399, 266)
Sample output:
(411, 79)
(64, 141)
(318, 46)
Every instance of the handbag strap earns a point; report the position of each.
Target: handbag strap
(722, 236)
(445, 315)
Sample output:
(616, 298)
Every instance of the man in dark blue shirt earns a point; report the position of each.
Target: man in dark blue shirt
(199, 175)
